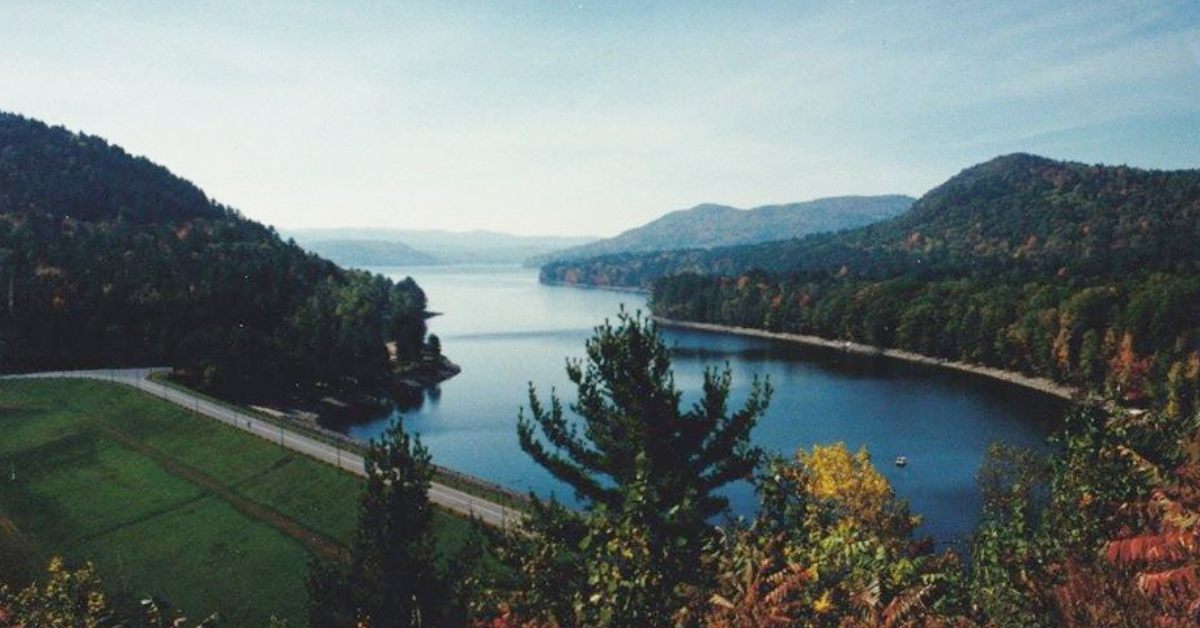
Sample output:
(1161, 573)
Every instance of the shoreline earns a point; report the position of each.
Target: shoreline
(422, 374)
(1040, 384)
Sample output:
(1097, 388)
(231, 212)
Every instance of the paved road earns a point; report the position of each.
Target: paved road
(453, 499)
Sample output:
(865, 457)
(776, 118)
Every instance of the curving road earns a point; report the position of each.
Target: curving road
(452, 499)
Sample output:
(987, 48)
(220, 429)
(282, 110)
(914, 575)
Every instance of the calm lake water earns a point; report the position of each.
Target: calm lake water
(506, 331)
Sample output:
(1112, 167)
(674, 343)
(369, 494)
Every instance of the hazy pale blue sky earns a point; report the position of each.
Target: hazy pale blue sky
(592, 117)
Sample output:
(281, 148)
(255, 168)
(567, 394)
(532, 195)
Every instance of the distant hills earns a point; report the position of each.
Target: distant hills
(1014, 214)
(107, 259)
(709, 226)
(400, 247)
(363, 253)
(1084, 274)
(702, 226)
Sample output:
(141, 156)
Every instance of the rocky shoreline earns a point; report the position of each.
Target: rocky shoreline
(1040, 384)
(427, 372)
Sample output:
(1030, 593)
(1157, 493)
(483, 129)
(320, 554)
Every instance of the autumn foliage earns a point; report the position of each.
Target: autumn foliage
(1163, 557)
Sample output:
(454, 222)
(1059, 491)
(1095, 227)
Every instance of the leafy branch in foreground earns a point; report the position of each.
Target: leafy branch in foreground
(76, 598)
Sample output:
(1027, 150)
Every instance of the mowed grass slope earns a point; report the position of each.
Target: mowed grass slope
(166, 503)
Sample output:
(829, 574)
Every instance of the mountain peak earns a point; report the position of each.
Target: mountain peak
(710, 225)
(1014, 213)
(710, 207)
(1019, 158)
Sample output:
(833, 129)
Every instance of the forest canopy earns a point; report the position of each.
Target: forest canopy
(110, 260)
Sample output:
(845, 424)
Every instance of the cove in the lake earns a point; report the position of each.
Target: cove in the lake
(506, 331)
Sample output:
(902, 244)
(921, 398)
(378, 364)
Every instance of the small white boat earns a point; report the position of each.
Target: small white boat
(901, 461)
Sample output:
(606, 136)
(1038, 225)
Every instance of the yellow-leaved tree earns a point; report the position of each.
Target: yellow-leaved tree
(850, 487)
(65, 598)
(832, 545)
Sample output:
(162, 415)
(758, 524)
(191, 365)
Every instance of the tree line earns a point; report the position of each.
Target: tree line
(1136, 339)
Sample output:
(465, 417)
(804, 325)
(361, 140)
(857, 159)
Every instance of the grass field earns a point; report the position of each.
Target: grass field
(166, 503)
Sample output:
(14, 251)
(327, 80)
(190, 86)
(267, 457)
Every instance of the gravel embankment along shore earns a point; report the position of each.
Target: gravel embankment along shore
(1040, 384)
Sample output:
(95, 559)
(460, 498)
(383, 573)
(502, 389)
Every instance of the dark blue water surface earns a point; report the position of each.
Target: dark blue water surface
(506, 330)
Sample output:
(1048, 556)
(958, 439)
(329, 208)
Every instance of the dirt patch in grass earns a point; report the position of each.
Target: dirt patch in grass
(317, 543)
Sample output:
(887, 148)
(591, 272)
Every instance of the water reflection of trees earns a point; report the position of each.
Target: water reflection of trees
(405, 398)
(408, 398)
(399, 399)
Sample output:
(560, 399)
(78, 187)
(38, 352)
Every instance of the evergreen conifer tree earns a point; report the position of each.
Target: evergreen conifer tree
(632, 439)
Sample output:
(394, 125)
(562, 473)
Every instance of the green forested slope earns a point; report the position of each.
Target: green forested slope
(1086, 274)
(107, 260)
(1016, 215)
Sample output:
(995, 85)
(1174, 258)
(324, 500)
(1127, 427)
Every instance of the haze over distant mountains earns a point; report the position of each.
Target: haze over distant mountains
(400, 247)
(371, 253)
(709, 226)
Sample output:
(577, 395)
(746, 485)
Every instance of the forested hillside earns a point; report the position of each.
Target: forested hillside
(1086, 274)
(108, 259)
(708, 225)
(1016, 215)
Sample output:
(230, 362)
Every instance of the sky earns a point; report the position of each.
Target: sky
(589, 118)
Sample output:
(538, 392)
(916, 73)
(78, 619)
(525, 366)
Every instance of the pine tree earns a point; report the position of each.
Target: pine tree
(392, 578)
(631, 436)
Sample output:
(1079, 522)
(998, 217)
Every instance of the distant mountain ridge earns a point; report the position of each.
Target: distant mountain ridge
(1083, 274)
(710, 225)
(1016, 213)
(357, 246)
(362, 253)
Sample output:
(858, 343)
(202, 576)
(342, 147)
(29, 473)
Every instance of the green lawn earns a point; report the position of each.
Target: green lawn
(165, 502)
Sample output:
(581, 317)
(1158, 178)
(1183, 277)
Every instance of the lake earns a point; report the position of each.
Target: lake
(506, 331)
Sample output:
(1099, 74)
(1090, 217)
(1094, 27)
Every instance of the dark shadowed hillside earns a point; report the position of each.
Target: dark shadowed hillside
(108, 259)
